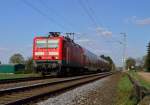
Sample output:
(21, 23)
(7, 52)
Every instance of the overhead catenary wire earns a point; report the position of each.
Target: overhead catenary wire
(44, 14)
(88, 13)
(93, 14)
(57, 14)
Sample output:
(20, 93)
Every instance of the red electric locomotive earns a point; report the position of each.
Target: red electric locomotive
(60, 55)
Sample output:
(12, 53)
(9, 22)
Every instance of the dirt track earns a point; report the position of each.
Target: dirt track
(145, 75)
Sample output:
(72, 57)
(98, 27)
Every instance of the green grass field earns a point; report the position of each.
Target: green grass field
(124, 91)
(140, 79)
(11, 76)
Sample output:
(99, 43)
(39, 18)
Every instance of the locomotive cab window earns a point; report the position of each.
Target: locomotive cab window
(41, 43)
(53, 43)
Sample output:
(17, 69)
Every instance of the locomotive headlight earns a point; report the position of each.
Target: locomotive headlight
(39, 53)
(56, 57)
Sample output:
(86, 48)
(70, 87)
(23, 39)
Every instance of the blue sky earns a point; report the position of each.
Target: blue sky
(20, 23)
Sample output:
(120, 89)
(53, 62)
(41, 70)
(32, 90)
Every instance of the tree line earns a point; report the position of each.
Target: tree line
(19, 59)
(142, 63)
(110, 61)
(29, 64)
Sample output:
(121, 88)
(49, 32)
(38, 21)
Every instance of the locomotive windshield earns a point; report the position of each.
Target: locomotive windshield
(53, 43)
(47, 43)
(41, 43)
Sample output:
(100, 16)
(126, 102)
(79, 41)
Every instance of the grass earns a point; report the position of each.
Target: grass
(12, 76)
(124, 91)
(140, 79)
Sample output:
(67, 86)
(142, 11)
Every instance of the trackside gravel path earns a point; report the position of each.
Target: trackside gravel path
(101, 92)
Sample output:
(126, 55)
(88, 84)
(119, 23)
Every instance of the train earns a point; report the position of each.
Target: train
(60, 55)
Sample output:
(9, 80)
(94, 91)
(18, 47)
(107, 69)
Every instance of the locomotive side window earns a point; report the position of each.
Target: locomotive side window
(53, 43)
(41, 43)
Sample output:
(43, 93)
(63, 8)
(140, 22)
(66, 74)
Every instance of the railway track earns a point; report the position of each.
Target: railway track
(24, 94)
(16, 80)
(12, 83)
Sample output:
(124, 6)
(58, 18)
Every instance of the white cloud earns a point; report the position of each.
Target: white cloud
(107, 33)
(103, 31)
(137, 21)
(130, 19)
(145, 21)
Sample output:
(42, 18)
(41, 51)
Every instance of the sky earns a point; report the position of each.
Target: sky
(97, 24)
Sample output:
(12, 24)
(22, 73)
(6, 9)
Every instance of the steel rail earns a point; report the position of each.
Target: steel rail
(20, 88)
(16, 80)
(61, 84)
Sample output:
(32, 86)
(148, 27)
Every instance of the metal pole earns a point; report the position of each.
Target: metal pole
(124, 50)
(73, 36)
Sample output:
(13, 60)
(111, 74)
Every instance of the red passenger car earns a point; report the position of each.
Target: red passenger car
(59, 54)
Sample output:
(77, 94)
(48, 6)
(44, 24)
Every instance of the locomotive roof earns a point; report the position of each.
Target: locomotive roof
(47, 37)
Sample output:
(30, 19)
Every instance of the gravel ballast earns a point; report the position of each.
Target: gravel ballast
(100, 92)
